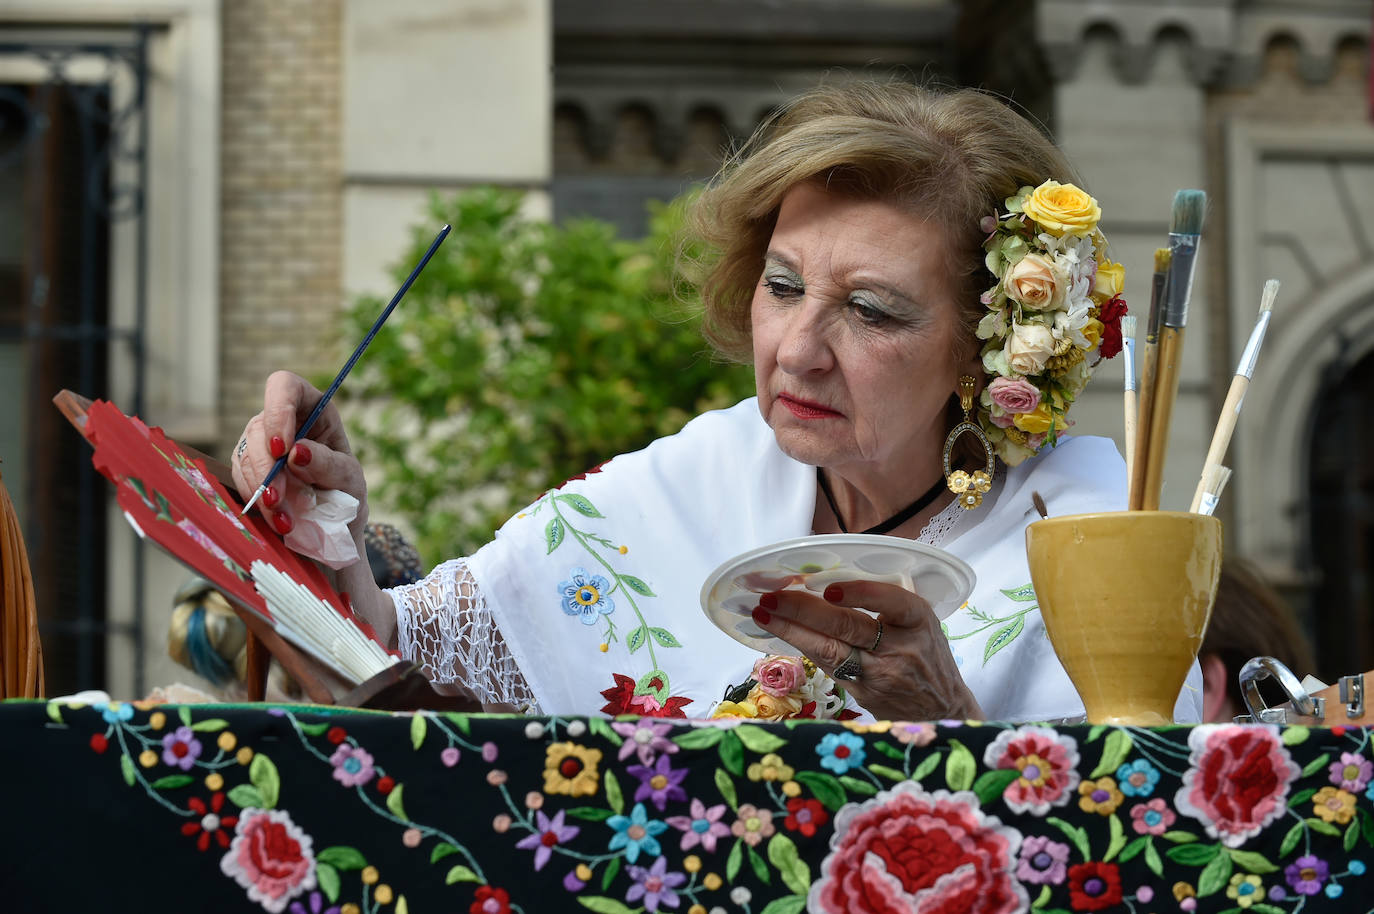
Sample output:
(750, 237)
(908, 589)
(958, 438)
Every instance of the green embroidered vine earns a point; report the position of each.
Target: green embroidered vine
(1011, 624)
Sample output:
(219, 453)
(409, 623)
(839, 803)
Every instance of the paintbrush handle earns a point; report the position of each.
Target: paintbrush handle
(1221, 438)
(1129, 407)
(1149, 370)
(1165, 393)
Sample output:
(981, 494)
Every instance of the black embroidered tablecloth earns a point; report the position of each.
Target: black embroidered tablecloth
(132, 807)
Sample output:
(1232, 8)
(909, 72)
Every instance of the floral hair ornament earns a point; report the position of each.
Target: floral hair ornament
(1053, 314)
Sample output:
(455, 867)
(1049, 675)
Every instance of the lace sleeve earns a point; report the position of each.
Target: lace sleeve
(444, 624)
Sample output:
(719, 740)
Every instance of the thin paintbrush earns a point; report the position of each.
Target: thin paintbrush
(348, 366)
(1130, 388)
(1185, 232)
(1235, 397)
(1150, 361)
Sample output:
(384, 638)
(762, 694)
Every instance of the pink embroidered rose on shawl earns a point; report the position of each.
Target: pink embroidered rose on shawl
(270, 857)
(1047, 762)
(908, 850)
(1238, 780)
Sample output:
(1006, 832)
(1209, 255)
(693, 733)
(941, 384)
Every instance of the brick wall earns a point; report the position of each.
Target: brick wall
(280, 286)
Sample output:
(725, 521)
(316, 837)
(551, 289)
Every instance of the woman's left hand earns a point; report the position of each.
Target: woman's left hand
(909, 675)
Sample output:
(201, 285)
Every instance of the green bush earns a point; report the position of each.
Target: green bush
(524, 353)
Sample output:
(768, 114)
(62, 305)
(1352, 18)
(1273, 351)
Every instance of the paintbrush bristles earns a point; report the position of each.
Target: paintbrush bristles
(1271, 292)
(1189, 211)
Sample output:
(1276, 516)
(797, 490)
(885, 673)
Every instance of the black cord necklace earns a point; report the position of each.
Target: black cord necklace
(893, 522)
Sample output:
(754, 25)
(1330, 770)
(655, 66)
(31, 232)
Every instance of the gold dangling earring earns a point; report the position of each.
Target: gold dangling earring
(970, 488)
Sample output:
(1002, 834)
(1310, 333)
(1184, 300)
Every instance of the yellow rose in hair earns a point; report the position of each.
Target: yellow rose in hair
(1062, 209)
(1037, 421)
(1092, 331)
(773, 707)
(1110, 280)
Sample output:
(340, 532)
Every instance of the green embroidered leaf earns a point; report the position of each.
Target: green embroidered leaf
(126, 768)
(825, 787)
(1367, 827)
(757, 739)
(1253, 861)
(664, 637)
(1179, 837)
(209, 726)
(731, 752)
(394, 803)
(928, 764)
(246, 797)
(460, 873)
(1023, 594)
(1261, 907)
(732, 863)
(1133, 849)
(553, 534)
(1042, 899)
(184, 713)
(638, 587)
(1317, 764)
(263, 773)
(55, 711)
(590, 813)
(1152, 858)
(580, 504)
(892, 774)
(636, 638)
(992, 784)
(782, 853)
(1075, 834)
(342, 857)
(1293, 736)
(171, 781)
(603, 905)
(1002, 637)
(854, 785)
(1302, 796)
(417, 730)
(760, 868)
(1352, 835)
(959, 767)
(602, 729)
(1114, 752)
(612, 869)
(1326, 828)
(402, 906)
(1118, 839)
(313, 729)
(328, 878)
(614, 798)
(1193, 854)
(726, 788)
(1291, 840)
(704, 738)
(1095, 732)
(1214, 876)
(890, 751)
(444, 849)
(787, 904)
(460, 721)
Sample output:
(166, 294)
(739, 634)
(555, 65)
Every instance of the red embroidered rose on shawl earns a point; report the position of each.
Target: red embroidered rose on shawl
(1238, 780)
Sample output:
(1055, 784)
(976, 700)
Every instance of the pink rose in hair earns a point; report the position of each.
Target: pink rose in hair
(780, 676)
(1015, 395)
(1000, 418)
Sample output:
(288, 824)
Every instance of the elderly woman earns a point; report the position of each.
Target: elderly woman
(897, 264)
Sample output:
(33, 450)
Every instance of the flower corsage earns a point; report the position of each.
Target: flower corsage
(1053, 314)
(781, 688)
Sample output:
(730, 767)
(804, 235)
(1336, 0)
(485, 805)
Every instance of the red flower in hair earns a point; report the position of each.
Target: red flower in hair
(1112, 312)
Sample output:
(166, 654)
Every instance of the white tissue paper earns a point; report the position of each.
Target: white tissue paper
(320, 525)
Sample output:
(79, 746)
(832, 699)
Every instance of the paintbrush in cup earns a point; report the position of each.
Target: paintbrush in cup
(1214, 479)
(1185, 233)
(1146, 398)
(1235, 397)
(1129, 388)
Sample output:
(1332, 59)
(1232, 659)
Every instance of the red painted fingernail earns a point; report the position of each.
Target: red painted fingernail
(762, 616)
(270, 497)
(282, 522)
(277, 446)
(768, 601)
(834, 593)
(300, 455)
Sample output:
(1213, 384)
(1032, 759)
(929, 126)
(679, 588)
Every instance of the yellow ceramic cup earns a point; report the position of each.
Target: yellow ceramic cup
(1126, 598)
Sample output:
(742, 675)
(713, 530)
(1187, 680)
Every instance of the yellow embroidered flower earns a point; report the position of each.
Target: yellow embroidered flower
(877, 726)
(736, 709)
(1100, 796)
(571, 769)
(1062, 209)
(1334, 805)
(791, 789)
(214, 781)
(583, 872)
(147, 758)
(350, 908)
(227, 741)
(157, 720)
(697, 909)
(770, 768)
(1183, 890)
(711, 882)
(691, 863)
(244, 755)
(1245, 889)
(382, 893)
(370, 875)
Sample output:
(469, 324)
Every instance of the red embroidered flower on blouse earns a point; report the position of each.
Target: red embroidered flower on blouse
(623, 700)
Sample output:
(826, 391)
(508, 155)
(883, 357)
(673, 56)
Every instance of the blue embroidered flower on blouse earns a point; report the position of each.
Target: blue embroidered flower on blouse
(585, 596)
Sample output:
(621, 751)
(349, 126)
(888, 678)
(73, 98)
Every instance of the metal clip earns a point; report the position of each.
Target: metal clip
(1258, 668)
(1352, 695)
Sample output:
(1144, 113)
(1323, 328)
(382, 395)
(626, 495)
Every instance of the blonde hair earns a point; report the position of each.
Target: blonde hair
(949, 156)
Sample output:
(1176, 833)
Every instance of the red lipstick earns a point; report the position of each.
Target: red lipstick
(805, 409)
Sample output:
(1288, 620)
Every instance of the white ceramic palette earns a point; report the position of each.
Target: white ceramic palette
(813, 563)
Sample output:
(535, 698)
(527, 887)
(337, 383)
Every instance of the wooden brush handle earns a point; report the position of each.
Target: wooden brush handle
(1221, 438)
(1144, 421)
(1165, 392)
(1129, 408)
